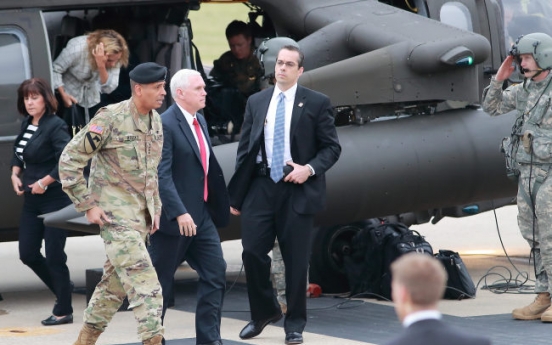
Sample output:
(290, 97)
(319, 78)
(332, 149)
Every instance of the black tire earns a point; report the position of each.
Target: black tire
(329, 246)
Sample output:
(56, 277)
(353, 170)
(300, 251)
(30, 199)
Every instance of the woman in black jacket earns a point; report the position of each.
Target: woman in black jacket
(34, 175)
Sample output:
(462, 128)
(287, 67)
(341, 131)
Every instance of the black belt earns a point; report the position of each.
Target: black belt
(262, 170)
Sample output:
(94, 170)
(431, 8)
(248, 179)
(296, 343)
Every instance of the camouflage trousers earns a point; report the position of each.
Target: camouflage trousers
(536, 227)
(128, 272)
(279, 274)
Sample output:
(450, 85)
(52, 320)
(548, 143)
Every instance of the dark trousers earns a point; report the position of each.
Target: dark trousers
(204, 254)
(52, 269)
(267, 213)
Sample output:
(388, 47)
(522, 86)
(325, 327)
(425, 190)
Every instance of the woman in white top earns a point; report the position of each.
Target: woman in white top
(87, 66)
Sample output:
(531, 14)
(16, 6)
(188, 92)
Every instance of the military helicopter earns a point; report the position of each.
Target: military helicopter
(405, 77)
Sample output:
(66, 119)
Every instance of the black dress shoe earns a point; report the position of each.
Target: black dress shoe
(254, 328)
(53, 321)
(294, 338)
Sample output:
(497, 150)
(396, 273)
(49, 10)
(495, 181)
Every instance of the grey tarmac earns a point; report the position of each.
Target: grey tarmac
(331, 320)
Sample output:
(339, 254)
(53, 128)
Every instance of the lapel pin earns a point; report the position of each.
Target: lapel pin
(300, 105)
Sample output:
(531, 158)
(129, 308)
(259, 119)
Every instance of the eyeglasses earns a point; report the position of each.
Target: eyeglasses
(289, 64)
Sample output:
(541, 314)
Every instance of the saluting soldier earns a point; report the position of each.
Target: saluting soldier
(124, 141)
(529, 158)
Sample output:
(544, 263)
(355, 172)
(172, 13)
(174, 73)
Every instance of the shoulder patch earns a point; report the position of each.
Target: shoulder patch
(91, 142)
(95, 129)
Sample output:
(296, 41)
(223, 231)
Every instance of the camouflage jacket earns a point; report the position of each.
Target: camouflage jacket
(532, 101)
(123, 175)
(244, 74)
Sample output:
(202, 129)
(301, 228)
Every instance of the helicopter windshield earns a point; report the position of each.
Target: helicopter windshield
(522, 17)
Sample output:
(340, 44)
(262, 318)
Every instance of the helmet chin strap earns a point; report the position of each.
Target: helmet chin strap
(539, 71)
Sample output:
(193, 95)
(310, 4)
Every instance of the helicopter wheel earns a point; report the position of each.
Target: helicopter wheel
(330, 245)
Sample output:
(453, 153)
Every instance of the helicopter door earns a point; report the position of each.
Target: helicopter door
(25, 54)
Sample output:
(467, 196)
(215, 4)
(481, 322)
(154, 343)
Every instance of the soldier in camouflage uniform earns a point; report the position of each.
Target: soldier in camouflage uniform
(239, 72)
(279, 276)
(529, 156)
(124, 141)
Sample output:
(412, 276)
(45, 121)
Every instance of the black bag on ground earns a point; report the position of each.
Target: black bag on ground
(372, 251)
(402, 242)
(364, 266)
(459, 284)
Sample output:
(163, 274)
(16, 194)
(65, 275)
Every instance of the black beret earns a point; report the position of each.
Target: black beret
(148, 72)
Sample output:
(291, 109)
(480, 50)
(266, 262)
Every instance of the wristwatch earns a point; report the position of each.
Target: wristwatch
(311, 170)
(41, 185)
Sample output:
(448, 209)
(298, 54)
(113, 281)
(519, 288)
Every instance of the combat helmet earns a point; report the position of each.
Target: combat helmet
(267, 53)
(539, 45)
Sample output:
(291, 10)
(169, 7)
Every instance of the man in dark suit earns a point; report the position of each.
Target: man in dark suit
(419, 282)
(195, 202)
(285, 127)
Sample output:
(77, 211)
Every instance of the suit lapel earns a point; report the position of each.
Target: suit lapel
(260, 119)
(185, 128)
(298, 108)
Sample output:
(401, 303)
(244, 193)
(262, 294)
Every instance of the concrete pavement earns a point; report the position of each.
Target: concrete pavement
(26, 301)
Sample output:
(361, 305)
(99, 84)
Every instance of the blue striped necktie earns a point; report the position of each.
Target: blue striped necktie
(277, 166)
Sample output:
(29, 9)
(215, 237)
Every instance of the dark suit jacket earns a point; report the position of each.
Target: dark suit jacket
(313, 140)
(181, 175)
(41, 154)
(436, 332)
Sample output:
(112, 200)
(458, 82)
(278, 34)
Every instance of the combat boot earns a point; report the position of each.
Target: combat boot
(534, 310)
(156, 340)
(88, 335)
(547, 315)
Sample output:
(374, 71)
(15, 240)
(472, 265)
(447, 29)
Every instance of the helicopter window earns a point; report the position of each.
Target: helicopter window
(456, 14)
(13, 47)
(14, 52)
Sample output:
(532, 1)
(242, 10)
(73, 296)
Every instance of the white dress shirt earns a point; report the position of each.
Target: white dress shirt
(271, 119)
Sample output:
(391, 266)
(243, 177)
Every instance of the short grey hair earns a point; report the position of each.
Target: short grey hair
(181, 80)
